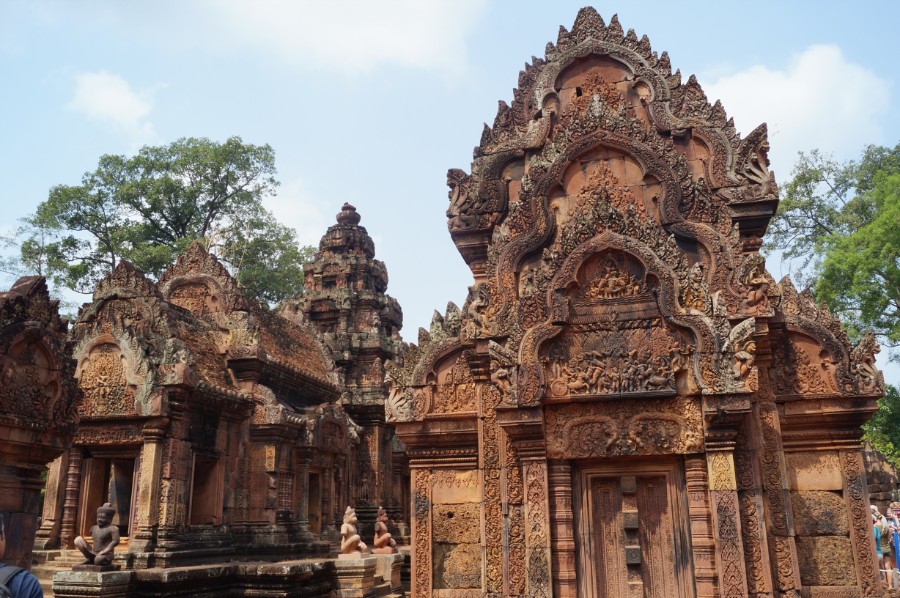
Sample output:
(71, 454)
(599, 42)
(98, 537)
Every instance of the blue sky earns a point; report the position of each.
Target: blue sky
(372, 102)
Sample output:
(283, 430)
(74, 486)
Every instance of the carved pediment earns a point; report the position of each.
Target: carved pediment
(198, 282)
(101, 376)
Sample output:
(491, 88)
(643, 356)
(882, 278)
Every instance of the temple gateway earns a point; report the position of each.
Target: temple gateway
(627, 404)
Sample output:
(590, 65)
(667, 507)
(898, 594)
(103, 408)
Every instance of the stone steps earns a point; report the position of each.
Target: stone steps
(49, 562)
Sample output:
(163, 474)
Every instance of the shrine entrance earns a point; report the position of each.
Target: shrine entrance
(109, 479)
(632, 522)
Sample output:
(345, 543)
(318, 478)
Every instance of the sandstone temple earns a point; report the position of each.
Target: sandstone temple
(627, 404)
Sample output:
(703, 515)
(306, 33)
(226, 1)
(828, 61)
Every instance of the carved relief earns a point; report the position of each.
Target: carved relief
(195, 297)
(794, 370)
(30, 383)
(611, 358)
(645, 427)
(106, 390)
(455, 390)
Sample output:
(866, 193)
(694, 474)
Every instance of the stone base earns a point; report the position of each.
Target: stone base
(107, 584)
(95, 568)
(353, 556)
(386, 550)
(355, 577)
(387, 568)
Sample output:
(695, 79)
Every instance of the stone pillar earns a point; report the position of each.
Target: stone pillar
(776, 496)
(70, 505)
(565, 582)
(726, 524)
(537, 528)
(54, 498)
(146, 518)
(861, 536)
(702, 539)
(303, 507)
(421, 532)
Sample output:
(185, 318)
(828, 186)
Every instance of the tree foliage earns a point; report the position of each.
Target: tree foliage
(149, 207)
(883, 430)
(842, 223)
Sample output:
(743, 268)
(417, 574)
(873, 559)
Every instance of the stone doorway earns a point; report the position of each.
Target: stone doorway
(111, 480)
(633, 524)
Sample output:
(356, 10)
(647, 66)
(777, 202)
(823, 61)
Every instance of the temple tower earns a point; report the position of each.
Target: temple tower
(345, 302)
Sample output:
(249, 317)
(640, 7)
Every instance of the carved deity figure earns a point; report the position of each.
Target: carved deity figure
(695, 293)
(105, 537)
(350, 541)
(758, 286)
(383, 543)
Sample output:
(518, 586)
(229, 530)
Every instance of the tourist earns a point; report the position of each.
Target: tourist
(895, 541)
(883, 545)
(14, 581)
(877, 533)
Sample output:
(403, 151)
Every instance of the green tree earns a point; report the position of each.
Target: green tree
(842, 223)
(883, 430)
(149, 207)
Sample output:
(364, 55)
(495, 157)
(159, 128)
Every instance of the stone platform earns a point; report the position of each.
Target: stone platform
(371, 577)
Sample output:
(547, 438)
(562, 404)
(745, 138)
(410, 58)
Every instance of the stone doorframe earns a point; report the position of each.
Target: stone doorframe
(672, 468)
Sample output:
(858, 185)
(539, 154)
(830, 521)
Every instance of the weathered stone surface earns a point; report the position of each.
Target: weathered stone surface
(462, 567)
(825, 560)
(457, 523)
(819, 513)
(815, 471)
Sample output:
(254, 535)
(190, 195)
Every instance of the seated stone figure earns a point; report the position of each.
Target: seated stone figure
(105, 537)
(383, 543)
(350, 541)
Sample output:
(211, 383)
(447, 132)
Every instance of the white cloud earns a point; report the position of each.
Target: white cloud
(294, 207)
(821, 100)
(354, 35)
(108, 98)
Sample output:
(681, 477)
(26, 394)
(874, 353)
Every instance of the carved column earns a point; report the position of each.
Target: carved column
(702, 540)
(303, 508)
(565, 582)
(726, 524)
(861, 537)
(70, 505)
(421, 532)
(779, 520)
(146, 517)
(753, 526)
(537, 526)
(54, 499)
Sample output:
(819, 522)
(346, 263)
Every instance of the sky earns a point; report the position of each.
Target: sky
(370, 102)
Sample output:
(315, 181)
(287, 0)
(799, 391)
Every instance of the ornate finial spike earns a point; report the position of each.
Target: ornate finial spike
(644, 44)
(664, 64)
(588, 21)
(563, 32)
(348, 215)
(549, 49)
(615, 28)
(485, 135)
(631, 36)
